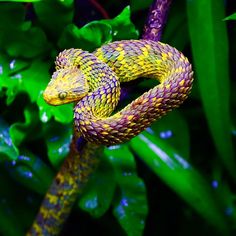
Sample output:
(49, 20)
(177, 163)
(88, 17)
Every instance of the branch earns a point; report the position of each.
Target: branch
(156, 20)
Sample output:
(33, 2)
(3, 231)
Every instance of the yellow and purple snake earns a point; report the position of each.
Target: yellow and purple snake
(93, 81)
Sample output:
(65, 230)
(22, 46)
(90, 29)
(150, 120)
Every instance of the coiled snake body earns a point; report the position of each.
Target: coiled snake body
(94, 81)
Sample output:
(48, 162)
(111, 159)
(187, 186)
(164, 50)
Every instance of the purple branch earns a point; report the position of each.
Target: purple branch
(156, 20)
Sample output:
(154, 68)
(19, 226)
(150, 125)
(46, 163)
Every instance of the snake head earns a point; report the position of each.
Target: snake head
(66, 85)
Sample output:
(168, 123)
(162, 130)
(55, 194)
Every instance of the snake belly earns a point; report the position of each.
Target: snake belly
(123, 61)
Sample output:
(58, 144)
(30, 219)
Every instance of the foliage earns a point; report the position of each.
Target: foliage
(189, 152)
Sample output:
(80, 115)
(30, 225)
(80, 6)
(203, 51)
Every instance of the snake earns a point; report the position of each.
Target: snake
(93, 81)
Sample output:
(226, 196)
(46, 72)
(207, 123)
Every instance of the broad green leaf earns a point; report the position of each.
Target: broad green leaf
(31, 172)
(89, 37)
(39, 71)
(18, 37)
(10, 68)
(96, 33)
(176, 172)
(30, 42)
(15, 201)
(29, 129)
(54, 16)
(19, 76)
(20, 0)
(27, 178)
(98, 194)
(14, 15)
(130, 204)
(58, 138)
(226, 195)
(63, 114)
(210, 53)
(8, 151)
(173, 129)
(231, 17)
(122, 26)
(37, 166)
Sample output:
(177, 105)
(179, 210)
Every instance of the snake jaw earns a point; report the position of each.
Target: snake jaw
(66, 86)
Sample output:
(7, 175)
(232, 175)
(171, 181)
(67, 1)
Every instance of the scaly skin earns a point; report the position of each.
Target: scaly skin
(64, 190)
(96, 77)
(94, 81)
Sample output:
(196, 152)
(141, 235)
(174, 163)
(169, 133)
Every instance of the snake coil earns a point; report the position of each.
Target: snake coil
(93, 80)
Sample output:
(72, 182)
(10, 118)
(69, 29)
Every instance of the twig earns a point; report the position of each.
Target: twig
(156, 20)
(100, 9)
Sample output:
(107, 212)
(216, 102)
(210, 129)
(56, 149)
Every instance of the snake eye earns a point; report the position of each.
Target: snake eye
(62, 95)
(78, 66)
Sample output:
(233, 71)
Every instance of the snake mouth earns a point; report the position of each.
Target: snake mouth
(49, 98)
(56, 98)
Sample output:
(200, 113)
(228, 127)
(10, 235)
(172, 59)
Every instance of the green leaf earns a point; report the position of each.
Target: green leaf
(210, 53)
(8, 67)
(37, 166)
(19, 76)
(25, 176)
(231, 17)
(63, 114)
(14, 15)
(54, 16)
(225, 194)
(14, 201)
(58, 138)
(130, 204)
(18, 37)
(122, 26)
(98, 194)
(176, 134)
(8, 151)
(31, 172)
(96, 33)
(89, 37)
(30, 128)
(30, 42)
(176, 172)
(20, 0)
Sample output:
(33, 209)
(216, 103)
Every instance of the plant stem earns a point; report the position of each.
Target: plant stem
(156, 20)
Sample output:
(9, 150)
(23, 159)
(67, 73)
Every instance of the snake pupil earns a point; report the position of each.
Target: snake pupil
(62, 95)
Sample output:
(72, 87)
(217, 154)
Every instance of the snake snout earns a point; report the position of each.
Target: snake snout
(67, 85)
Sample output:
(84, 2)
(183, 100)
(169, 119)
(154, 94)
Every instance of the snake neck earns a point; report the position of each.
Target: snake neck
(104, 87)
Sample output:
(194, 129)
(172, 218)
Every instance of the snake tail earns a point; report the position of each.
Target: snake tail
(62, 194)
